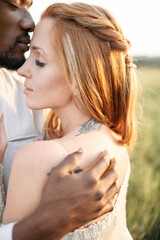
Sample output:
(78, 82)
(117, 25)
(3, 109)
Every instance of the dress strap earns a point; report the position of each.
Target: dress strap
(58, 144)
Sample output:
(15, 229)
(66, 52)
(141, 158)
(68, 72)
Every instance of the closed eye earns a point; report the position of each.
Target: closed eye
(13, 6)
(40, 64)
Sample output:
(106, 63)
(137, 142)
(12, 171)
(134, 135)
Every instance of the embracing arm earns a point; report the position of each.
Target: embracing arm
(3, 139)
(3, 146)
(2, 195)
(94, 197)
(79, 207)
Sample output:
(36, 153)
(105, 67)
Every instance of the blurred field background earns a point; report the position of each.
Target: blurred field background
(143, 204)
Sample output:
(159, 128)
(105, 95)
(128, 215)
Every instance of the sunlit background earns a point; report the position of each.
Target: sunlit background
(139, 19)
(140, 22)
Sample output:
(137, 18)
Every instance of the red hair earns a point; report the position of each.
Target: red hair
(93, 50)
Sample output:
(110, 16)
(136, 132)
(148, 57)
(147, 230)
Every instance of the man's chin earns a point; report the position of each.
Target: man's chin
(13, 58)
(11, 63)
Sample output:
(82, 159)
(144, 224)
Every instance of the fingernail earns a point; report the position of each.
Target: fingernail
(81, 150)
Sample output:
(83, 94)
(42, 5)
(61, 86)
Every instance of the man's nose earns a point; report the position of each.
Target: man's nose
(27, 22)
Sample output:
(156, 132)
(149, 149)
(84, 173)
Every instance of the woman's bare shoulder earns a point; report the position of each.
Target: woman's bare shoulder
(39, 153)
(28, 177)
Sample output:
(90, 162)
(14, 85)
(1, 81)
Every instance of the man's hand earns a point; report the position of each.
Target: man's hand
(3, 139)
(71, 200)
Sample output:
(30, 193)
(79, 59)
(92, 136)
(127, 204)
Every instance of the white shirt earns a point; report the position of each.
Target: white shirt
(6, 231)
(21, 124)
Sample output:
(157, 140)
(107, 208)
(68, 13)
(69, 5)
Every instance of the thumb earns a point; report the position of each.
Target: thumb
(71, 162)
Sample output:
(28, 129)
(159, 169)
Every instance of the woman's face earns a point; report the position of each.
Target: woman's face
(45, 84)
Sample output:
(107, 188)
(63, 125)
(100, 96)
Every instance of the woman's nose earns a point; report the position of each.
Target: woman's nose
(24, 72)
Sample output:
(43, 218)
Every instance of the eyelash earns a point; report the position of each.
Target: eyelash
(13, 6)
(40, 64)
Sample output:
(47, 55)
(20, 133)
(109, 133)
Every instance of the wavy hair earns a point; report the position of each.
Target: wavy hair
(94, 50)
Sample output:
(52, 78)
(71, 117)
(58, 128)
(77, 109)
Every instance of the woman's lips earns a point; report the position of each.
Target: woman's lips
(27, 90)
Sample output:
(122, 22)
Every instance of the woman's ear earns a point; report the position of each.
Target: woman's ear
(74, 89)
(75, 92)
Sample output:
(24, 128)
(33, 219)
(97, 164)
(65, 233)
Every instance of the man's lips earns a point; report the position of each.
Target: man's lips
(24, 40)
(24, 43)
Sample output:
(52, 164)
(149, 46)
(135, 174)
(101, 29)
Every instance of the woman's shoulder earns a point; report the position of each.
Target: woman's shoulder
(95, 142)
(43, 154)
(29, 171)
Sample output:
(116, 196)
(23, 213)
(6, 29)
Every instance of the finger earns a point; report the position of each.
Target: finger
(105, 205)
(110, 178)
(112, 192)
(100, 165)
(70, 163)
(113, 165)
(107, 192)
(107, 208)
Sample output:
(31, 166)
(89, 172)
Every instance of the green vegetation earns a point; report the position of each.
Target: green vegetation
(143, 205)
(147, 61)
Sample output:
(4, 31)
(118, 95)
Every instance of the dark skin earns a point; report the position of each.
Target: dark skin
(15, 24)
(3, 140)
(93, 191)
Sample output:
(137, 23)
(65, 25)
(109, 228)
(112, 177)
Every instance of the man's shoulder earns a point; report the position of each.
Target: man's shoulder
(9, 75)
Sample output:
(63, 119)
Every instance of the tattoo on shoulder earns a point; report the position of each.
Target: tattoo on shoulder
(89, 126)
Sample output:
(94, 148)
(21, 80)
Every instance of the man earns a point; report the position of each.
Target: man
(90, 195)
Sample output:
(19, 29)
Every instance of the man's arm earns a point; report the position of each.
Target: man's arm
(3, 146)
(74, 200)
(3, 139)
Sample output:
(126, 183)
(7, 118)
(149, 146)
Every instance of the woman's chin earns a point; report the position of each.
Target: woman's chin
(33, 107)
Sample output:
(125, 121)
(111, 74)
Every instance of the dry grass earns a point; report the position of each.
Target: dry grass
(143, 206)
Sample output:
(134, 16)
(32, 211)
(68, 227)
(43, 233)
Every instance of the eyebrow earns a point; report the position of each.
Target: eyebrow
(39, 49)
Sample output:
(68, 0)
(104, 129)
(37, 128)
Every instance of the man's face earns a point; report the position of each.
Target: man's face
(15, 23)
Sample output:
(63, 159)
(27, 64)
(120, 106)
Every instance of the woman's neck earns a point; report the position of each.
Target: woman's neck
(71, 117)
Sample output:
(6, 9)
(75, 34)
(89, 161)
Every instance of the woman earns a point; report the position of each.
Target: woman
(80, 69)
